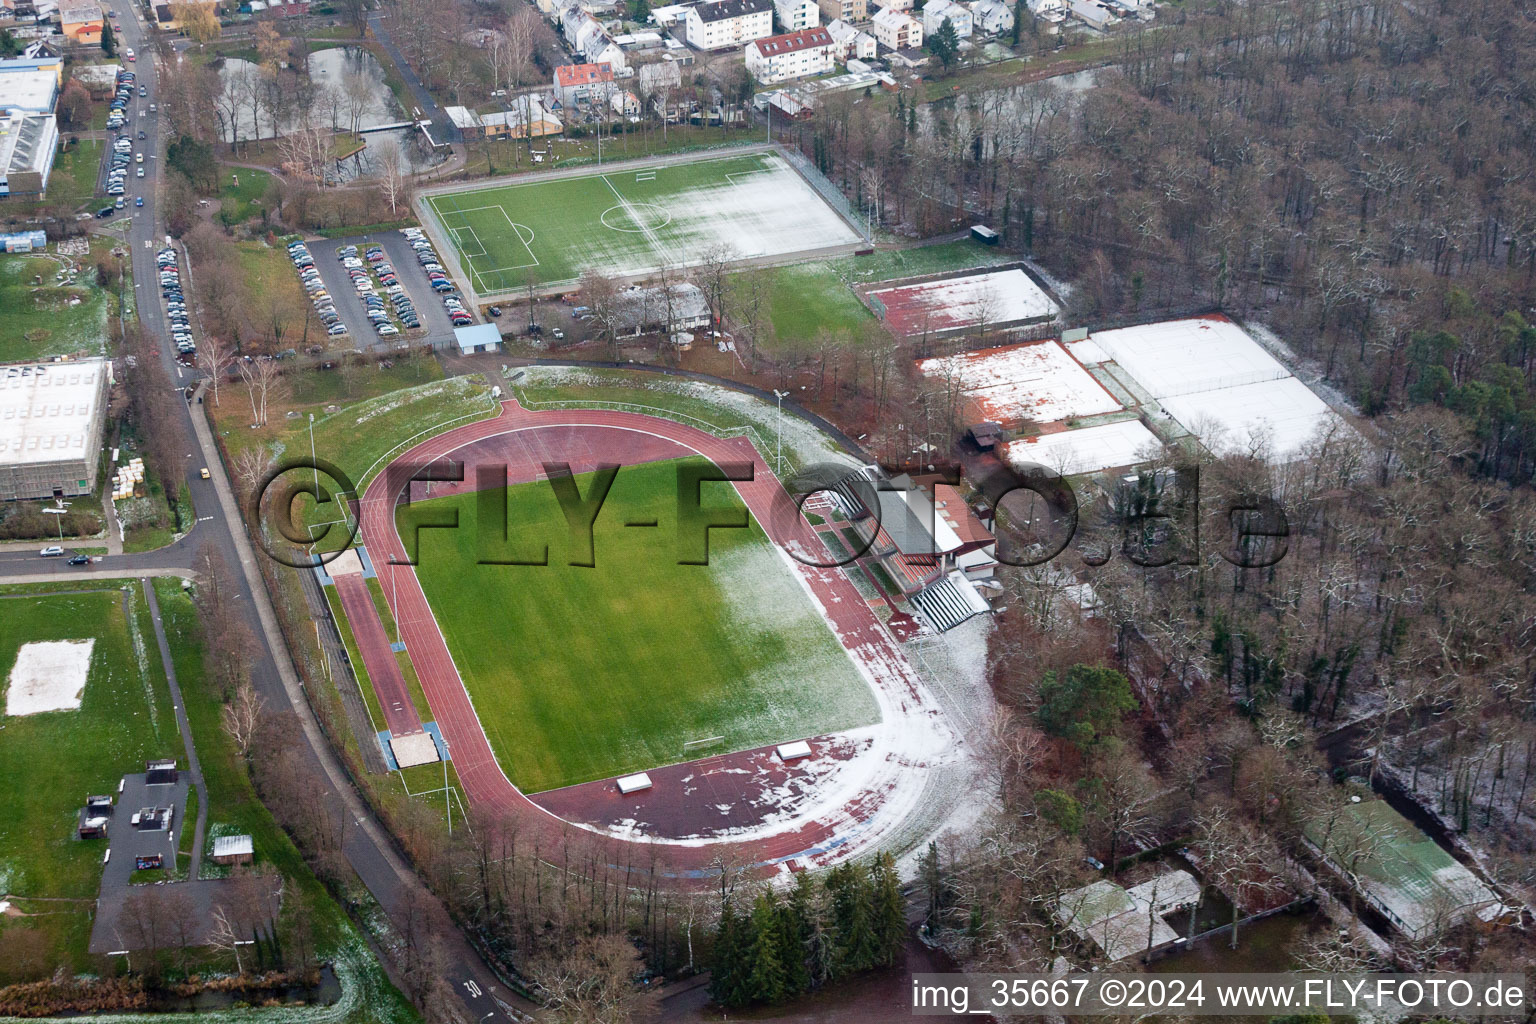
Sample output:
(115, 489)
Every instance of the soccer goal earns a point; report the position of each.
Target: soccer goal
(693, 748)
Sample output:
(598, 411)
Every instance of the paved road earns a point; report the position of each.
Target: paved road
(368, 848)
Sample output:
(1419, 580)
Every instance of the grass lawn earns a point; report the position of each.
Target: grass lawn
(234, 808)
(277, 295)
(806, 299)
(629, 221)
(74, 172)
(124, 719)
(49, 320)
(585, 673)
(240, 202)
(490, 157)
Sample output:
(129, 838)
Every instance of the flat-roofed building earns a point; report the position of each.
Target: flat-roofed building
(51, 420)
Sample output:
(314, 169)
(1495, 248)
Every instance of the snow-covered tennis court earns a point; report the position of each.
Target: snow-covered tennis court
(1182, 357)
(48, 676)
(994, 298)
(1038, 382)
(1089, 450)
(1282, 414)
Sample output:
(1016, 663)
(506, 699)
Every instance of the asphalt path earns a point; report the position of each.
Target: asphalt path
(369, 849)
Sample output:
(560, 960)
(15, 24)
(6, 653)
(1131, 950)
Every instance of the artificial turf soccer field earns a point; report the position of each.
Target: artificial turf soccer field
(587, 673)
(633, 221)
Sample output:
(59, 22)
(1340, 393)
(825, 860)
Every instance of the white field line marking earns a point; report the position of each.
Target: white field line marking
(644, 228)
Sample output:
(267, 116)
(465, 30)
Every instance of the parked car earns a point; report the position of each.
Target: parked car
(80, 560)
(51, 551)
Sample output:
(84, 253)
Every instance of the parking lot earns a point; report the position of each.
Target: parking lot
(438, 331)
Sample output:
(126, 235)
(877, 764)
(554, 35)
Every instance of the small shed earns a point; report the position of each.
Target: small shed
(99, 804)
(634, 783)
(984, 234)
(986, 434)
(24, 241)
(477, 338)
(233, 850)
(160, 773)
(794, 751)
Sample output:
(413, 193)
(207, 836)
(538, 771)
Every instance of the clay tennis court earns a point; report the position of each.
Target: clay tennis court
(854, 812)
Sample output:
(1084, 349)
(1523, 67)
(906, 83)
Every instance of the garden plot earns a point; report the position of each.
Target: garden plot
(1089, 450)
(48, 676)
(1037, 382)
(993, 298)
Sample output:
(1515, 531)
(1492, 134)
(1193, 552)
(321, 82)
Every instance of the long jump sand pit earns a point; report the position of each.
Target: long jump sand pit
(48, 676)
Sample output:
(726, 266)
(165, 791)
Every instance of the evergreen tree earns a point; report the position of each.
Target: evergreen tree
(931, 872)
(889, 918)
(108, 39)
(1085, 705)
(765, 980)
(854, 937)
(1020, 9)
(945, 44)
(795, 918)
(728, 963)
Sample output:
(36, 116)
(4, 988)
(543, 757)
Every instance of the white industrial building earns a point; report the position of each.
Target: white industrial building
(937, 12)
(27, 146)
(792, 55)
(896, 31)
(725, 24)
(51, 420)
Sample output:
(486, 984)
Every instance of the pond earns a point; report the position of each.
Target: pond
(345, 92)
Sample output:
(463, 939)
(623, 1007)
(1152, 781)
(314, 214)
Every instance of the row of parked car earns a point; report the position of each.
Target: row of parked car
(117, 116)
(309, 277)
(175, 302)
(437, 277)
(373, 259)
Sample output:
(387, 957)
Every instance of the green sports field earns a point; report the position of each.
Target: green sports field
(588, 673)
(634, 220)
(49, 762)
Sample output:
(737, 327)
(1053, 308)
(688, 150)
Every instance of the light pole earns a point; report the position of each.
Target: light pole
(779, 456)
(58, 514)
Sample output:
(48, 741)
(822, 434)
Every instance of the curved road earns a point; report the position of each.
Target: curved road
(368, 848)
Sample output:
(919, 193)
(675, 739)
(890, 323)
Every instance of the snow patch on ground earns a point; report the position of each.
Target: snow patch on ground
(48, 676)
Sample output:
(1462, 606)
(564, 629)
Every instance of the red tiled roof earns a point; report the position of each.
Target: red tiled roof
(959, 516)
(567, 75)
(790, 42)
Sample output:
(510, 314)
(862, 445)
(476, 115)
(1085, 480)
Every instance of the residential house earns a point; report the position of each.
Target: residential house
(527, 119)
(897, 5)
(582, 83)
(81, 22)
(1048, 10)
(853, 11)
(659, 76)
(726, 24)
(795, 15)
(792, 55)
(1094, 15)
(39, 49)
(624, 103)
(992, 17)
(852, 43)
(896, 31)
(937, 12)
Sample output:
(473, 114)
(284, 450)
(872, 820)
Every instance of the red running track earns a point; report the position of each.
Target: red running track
(400, 716)
(582, 438)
